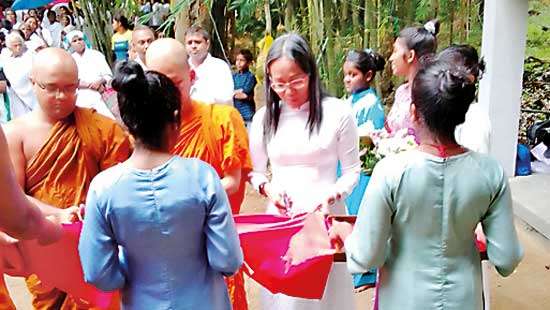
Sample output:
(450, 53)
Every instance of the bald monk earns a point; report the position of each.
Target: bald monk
(58, 148)
(211, 132)
(19, 219)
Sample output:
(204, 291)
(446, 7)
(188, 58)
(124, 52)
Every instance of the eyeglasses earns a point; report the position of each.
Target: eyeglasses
(69, 90)
(298, 83)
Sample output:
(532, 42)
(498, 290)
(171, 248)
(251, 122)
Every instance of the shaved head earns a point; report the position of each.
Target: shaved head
(52, 62)
(54, 77)
(168, 57)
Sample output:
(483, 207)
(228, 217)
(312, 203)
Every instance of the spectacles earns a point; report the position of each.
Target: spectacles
(70, 90)
(294, 84)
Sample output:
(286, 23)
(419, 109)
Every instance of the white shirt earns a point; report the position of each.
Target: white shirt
(55, 31)
(41, 37)
(20, 92)
(156, 14)
(92, 67)
(475, 132)
(213, 81)
(141, 63)
(304, 166)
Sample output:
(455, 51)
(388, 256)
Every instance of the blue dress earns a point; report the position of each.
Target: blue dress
(417, 222)
(165, 236)
(366, 107)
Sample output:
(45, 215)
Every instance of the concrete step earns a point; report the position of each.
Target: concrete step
(531, 196)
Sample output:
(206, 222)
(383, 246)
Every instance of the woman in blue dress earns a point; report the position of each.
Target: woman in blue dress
(360, 68)
(158, 227)
(417, 221)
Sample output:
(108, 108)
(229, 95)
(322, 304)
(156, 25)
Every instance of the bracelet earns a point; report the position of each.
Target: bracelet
(261, 189)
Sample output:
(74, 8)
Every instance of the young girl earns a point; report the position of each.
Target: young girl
(409, 49)
(122, 37)
(158, 226)
(303, 134)
(360, 68)
(423, 207)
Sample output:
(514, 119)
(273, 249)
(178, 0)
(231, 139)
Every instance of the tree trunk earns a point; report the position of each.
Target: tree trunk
(218, 33)
(356, 25)
(99, 25)
(328, 19)
(268, 22)
(451, 20)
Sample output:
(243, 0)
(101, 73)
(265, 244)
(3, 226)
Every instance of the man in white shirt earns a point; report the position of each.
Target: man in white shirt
(142, 37)
(212, 81)
(93, 72)
(17, 68)
(54, 27)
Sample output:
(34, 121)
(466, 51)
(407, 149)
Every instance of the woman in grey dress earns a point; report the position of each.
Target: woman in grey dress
(422, 206)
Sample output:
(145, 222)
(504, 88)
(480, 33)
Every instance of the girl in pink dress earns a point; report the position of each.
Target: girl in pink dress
(412, 46)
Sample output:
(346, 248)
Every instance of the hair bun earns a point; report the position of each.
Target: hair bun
(432, 26)
(456, 82)
(129, 78)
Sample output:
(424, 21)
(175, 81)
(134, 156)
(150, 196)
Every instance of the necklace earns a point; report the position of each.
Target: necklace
(443, 149)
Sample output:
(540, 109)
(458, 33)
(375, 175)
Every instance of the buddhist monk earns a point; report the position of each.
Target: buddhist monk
(213, 133)
(58, 148)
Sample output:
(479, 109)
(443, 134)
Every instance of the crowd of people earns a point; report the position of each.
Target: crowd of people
(162, 172)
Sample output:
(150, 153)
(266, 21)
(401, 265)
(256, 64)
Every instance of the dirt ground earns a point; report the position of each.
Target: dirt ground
(527, 288)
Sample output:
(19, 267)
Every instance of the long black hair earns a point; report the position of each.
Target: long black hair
(442, 93)
(122, 20)
(147, 102)
(423, 39)
(294, 47)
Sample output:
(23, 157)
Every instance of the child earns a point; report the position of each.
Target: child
(165, 244)
(244, 81)
(409, 49)
(360, 68)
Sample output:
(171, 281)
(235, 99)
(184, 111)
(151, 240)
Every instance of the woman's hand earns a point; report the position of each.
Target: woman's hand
(278, 197)
(338, 233)
(328, 202)
(68, 216)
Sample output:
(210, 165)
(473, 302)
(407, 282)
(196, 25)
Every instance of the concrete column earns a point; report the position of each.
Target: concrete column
(503, 47)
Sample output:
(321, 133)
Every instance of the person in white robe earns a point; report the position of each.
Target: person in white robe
(17, 68)
(93, 72)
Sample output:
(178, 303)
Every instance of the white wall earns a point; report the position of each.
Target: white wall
(503, 47)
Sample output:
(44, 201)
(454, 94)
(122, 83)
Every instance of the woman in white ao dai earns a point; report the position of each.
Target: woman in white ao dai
(312, 134)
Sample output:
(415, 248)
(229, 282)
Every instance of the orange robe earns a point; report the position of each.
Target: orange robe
(5, 300)
(60, 173)
(216, 134)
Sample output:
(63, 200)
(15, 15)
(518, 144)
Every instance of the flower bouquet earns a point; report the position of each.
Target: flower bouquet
(377, 144)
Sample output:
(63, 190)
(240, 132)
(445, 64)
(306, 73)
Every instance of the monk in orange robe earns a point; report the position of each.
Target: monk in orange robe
(213, 133)
(58, 148)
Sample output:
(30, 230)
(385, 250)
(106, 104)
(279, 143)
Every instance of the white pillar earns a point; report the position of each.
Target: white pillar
(503, 47)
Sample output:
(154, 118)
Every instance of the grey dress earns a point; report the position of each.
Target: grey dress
(417, 225)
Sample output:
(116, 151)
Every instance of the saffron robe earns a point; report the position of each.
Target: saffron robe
(5, 300)
(60, 173)
(216, 134)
